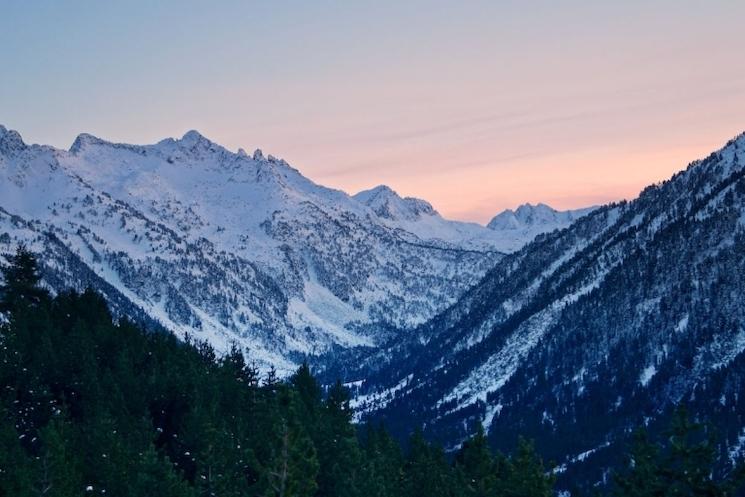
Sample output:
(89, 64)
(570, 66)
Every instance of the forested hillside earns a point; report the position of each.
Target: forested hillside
(93, 407)
(589, 332)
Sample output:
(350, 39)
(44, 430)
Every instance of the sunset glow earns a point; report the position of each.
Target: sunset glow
(475, 107)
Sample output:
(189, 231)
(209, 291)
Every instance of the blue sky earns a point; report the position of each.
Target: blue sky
(475, 106)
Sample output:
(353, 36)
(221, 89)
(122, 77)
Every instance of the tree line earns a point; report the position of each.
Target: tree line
(94, 406)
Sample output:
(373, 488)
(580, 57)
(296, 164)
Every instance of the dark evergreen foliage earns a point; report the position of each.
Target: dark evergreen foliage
(93, 407)
(588, 332)
(680, 466)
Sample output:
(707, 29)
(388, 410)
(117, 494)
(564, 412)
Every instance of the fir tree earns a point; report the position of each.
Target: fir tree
(643, 476)
(426, 472)
(156, 476)
(16, 470)
(21, 279)
(474, 466)
(294, 465)
(524, 475)
(338, 448)
(682, 465)
(58, 470)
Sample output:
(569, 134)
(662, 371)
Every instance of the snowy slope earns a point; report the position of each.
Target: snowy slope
(507, 232)
(588, 332)
(230, 247)
(528, 221)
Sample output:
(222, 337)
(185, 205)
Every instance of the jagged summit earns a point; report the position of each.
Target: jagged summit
(242, 247)
(229, 246)
(84, 140)
(10, 140)
(377, 190)
(192, 137)
(380, 193)
(390, 205)
(539, 216)
(195, 142)
(191, 140)
(115, 164)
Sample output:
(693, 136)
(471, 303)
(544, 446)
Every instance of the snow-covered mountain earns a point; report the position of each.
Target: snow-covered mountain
(589, 332)
(528, 221)
(230, 247)
(389, 205)
(413, 215)
(625, 309)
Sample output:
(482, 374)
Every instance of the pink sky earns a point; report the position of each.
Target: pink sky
(546, 147)
(475, 106)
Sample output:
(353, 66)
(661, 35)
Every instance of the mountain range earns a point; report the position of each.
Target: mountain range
(587, 333)
(235, 248)
(570, 328)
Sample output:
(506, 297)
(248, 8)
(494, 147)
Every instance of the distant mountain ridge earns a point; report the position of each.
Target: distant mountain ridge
(528, 221)
(234, 247)
(388, 204)
(528, 216)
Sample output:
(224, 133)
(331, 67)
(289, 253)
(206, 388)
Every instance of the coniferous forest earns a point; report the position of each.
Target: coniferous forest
(90, 406)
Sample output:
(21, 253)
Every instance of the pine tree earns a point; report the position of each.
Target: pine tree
(524, 474)
(426, 472)
(156, 476)
(338, 448)
(58, 471)
(643, 476)
(222, 463)
(687, 464)
(21, 282)
(474, 466)
(16, 472)
(234, 365)
(293, 468)
(309, 393)
(683, 465)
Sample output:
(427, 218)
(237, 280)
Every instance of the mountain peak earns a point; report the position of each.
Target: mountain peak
(258, 155)
(10, 141)
(529, 212)
(193, 137)
(84, 140)
(390, 205)
(383, 189)
(381, 192)
(528, 216)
